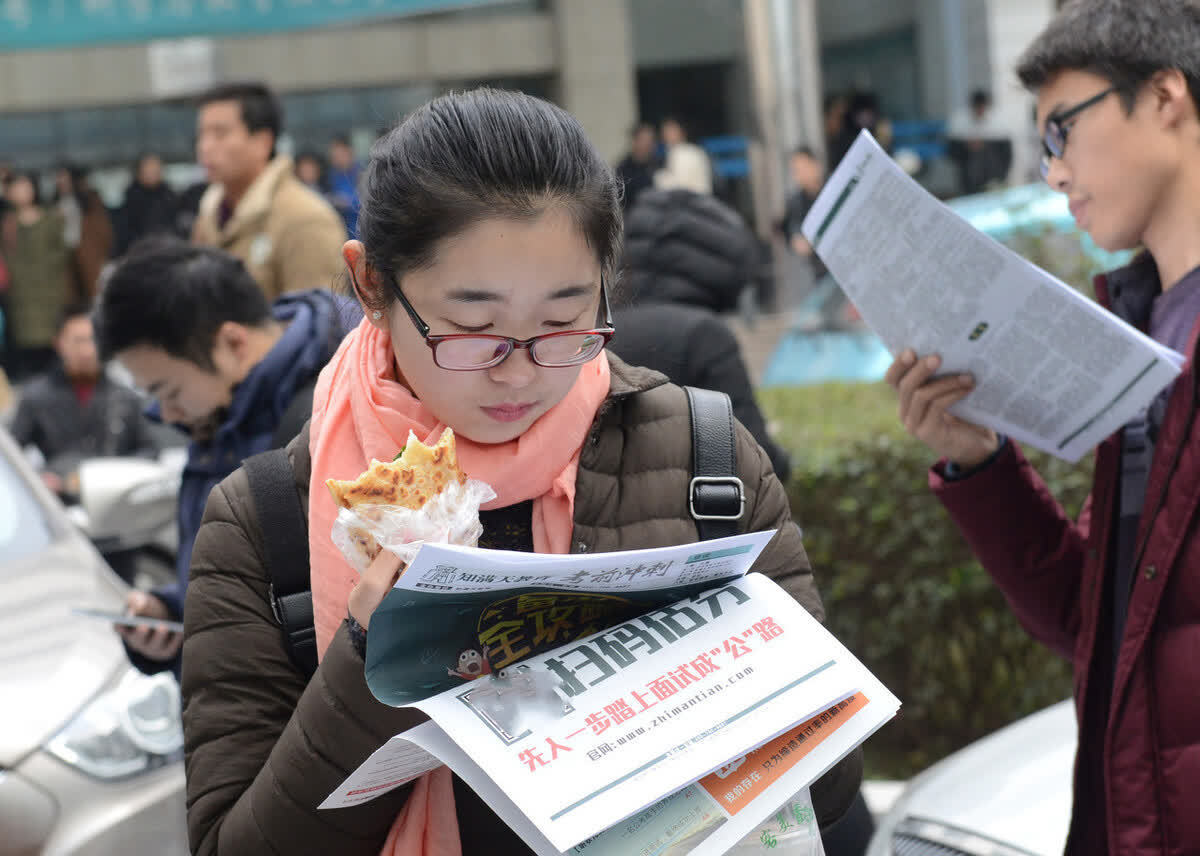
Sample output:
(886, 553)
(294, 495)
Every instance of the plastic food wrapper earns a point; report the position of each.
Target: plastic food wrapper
(450, 517)
(790, 831)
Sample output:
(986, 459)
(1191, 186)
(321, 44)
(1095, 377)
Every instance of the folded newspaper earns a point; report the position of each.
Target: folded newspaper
(657, 701)
(1053, 369)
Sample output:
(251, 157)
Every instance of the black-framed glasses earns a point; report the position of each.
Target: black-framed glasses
(1054, 138)
(468, 352)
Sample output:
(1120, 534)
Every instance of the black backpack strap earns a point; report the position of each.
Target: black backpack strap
(716, 496)
(299, 411)
(285, 539)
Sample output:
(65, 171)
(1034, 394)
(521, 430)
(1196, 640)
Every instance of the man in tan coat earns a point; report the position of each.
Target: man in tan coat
(288, 237)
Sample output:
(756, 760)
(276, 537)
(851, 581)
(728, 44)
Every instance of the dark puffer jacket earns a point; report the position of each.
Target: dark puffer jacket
(685, 247)
(688, 257)
(264, 746)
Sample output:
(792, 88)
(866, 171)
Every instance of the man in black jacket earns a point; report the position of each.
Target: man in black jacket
(688, 257)
(73, 411)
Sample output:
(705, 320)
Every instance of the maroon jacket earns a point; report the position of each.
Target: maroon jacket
(1052, 571)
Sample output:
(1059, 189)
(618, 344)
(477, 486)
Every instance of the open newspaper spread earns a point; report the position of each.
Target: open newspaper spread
(1053, 369)
(607, 704)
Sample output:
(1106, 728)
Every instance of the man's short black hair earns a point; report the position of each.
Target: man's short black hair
(169, 294)
(70, 312)
(340, 140)
(1124, 41)
(260, 109)
(804, 152)
(981, 98)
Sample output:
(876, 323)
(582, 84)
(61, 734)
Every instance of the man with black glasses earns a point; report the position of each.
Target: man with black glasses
(1118, 591)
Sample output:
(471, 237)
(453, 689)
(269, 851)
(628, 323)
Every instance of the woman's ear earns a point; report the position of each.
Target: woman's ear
(363, 282)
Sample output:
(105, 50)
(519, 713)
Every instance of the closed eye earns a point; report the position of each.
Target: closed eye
(463, 328)
(564, 325)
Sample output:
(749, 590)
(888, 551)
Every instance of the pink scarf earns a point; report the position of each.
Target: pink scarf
(360, 413)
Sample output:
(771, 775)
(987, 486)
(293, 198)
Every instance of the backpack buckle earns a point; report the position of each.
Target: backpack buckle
(717, 498)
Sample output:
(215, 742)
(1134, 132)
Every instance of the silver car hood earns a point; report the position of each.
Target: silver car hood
(1013, 786)
(53, 662)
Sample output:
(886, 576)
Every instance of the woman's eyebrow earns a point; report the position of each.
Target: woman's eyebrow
(480, 295)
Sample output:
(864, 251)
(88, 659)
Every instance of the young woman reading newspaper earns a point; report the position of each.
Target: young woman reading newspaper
(490, 229)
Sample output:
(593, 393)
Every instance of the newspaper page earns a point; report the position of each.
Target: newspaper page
(757, 802)
(604, 727)
(458, 614)
(1053, 369)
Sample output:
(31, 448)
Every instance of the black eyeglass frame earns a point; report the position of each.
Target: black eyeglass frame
(1054, 137)
(605, 333)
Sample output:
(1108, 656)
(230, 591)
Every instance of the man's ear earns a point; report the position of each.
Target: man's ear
(363, 280)
(231, 349)
(1172, 97)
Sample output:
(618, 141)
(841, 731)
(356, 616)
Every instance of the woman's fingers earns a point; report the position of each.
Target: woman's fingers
(374, 585)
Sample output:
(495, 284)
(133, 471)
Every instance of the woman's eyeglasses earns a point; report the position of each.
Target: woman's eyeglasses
(468, 352)
(1054, 138)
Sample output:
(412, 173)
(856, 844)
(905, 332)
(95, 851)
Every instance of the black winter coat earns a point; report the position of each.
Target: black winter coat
(685, 247)
(688, 257)
(694, 347)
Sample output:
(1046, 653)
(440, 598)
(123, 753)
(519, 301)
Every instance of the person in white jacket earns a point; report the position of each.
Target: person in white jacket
(687, 165)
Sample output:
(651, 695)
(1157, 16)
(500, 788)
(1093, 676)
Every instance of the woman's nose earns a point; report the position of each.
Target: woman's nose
(517, 371)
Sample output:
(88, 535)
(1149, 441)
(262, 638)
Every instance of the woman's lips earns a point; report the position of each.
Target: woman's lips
(508, 412)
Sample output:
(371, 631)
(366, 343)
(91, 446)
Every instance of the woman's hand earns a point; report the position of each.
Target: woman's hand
(374, 585)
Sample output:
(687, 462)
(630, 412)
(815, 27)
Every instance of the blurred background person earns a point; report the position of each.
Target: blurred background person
(150, 206)
(864, 112)
(310, 169)
(833, 114)
(342, 181)
(234, 370)
(87, 228)
(40, 277)
(287, 236)
(979, 146)
(7, 238)
(687, 165)
(636, 170)
(808, 176)
(72, 411)
(688, 258)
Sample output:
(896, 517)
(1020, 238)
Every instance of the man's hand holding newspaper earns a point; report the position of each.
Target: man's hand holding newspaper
(925, 402)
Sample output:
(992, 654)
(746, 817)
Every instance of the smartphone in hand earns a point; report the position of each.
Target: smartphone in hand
(120, 618)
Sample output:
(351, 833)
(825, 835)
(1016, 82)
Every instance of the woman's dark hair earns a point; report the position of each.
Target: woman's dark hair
(472, 156)
(172, 295)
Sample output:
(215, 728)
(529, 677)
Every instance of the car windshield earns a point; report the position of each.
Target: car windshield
(24, 529)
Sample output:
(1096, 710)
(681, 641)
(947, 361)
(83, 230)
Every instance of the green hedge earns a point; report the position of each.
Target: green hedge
(900, 586)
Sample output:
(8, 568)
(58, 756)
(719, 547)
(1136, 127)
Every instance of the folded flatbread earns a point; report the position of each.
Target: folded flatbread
(417, 475)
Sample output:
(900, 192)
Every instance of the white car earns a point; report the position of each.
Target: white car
(90, 749)
(1008, 794)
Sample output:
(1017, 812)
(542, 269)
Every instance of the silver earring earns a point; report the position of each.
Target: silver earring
(376, 314)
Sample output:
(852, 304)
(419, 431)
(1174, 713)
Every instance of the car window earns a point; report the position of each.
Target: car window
(24, 529)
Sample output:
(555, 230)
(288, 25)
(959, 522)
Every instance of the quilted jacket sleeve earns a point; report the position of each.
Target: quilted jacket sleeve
(263, 749)
(1036, 557)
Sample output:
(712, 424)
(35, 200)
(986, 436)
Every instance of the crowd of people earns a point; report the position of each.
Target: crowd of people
(310, 307)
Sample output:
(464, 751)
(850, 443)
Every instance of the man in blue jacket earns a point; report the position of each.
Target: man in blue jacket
(196, 333)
